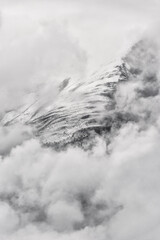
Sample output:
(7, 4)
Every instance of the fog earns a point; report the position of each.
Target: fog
(110, 192)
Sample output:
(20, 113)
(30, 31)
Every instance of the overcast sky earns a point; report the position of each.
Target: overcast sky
(73, 194)
(102, 28)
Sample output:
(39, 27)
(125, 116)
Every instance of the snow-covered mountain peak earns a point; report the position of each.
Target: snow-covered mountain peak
(83, 109)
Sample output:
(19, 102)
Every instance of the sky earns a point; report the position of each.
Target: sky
(101, 28)
(81, 35)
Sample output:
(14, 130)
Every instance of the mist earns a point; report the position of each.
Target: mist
(110, 191)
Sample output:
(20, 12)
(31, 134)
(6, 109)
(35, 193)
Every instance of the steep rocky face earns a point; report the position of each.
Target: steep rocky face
(96, 106)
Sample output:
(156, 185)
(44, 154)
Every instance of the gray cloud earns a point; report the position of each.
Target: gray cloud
(76, 194)
(31, 55)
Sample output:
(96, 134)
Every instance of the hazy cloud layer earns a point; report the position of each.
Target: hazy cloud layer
(75, 194)
(35, 55)
(88, 195)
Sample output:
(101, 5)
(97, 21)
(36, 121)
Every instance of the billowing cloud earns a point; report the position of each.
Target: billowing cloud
(34, 53)
(110, 192)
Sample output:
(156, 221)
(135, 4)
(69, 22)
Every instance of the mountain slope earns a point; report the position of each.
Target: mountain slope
(85, 109)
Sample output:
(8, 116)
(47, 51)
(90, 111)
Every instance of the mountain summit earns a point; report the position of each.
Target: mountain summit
(99, 105)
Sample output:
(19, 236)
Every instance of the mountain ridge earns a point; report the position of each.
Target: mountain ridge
(84, 110)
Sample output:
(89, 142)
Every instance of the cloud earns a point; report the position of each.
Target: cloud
(34, 52)
(102, 28)
(13, 136)
(75, 194)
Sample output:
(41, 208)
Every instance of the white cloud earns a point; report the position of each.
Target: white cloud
(76, 194)
(34, 52)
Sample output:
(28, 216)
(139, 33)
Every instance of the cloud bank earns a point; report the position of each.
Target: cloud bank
(75, 194)
(36, 55)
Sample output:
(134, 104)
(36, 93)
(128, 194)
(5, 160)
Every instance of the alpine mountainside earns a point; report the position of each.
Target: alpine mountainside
(100, 105)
